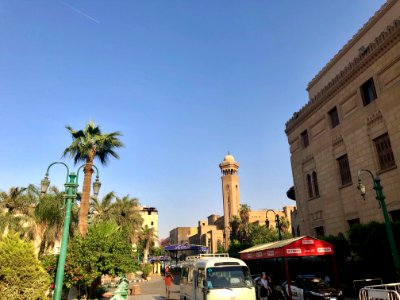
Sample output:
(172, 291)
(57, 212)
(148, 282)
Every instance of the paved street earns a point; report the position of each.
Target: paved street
(155, 289)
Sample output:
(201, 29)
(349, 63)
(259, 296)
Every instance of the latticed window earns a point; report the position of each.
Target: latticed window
(384, 151)
(344, 169)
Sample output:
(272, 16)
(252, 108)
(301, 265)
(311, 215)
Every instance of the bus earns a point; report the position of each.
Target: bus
(218, 276)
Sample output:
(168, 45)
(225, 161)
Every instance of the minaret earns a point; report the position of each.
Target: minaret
(230, 193)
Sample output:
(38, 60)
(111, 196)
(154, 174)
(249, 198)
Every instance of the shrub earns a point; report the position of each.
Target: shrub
(146, 269)
(21, 274)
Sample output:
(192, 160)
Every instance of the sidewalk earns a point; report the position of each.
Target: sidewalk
(155, 289)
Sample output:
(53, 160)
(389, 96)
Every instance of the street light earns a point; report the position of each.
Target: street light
(69, 195)
(277, 221)
(381, 200)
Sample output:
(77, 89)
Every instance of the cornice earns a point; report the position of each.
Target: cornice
(360, 63)
(355, 38)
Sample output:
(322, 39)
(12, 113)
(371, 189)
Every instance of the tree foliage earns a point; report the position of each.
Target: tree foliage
(104, 250)
(21, 274)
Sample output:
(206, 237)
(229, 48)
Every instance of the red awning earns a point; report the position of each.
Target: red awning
(295, 247)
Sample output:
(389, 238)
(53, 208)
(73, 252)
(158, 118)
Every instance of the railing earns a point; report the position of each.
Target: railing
(390, 291)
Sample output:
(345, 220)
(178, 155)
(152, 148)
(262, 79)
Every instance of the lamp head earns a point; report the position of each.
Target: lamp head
(96, 187)
(361, 188)
(44, 184)
(267, 223)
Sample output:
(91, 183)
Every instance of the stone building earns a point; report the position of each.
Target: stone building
(150, 219)
(215, 231)
(351, 122)
(181, 235)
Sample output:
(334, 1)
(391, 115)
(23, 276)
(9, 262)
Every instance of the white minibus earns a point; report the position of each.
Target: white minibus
(212, 278)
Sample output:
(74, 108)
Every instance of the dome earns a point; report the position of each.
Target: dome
(229, 158)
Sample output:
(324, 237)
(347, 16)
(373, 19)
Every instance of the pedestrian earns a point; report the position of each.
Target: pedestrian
(264, 290)
(168, 281)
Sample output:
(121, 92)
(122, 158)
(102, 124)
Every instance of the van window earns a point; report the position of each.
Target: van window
(229, 276)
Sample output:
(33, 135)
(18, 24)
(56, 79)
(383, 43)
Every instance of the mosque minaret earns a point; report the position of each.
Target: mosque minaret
(230, 193)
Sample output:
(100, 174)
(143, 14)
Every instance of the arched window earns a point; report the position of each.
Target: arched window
(315, 183)
(309, 186)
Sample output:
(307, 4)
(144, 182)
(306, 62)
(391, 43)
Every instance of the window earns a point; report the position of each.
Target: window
(309, 186)
(304, 138)
(319, 231)
(152, 223)
(395, 215)
(315, 183)
(384, 151)
(353, 222)
(298, 230)
(368, 91)
(333, 115)
(344, 169)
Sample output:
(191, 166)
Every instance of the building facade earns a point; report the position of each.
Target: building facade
(351, 122)
(150, 219)
(181, 235)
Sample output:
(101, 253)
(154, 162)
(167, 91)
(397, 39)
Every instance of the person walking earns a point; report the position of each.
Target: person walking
(168, 281)
(264, 290)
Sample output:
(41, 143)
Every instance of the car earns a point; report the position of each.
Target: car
(308, 287)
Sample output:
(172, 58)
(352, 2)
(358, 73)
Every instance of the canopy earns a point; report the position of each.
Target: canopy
(294, 247)
(180, 247)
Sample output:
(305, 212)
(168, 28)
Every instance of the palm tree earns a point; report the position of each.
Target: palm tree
(88, 144)
(48, 219)
(14, 208)
(147, 237)
(102, 208)
(124, 212)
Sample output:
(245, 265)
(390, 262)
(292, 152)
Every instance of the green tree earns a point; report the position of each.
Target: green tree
(104, 250)
(21, 274)
(88, 144)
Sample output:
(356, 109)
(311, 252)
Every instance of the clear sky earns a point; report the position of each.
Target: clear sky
(184, 81)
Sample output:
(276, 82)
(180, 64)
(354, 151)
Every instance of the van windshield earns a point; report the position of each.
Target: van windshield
(228, 277)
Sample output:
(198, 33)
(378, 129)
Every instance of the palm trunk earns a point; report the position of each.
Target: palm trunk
(84, 208)
(146, 251)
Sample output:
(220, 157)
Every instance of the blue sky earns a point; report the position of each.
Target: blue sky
(184, 81)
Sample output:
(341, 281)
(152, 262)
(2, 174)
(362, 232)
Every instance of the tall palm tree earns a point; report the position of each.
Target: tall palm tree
(88, 144)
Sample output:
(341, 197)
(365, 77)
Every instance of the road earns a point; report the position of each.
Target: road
(155, 289)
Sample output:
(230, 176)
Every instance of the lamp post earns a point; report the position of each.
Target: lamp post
(277, 221)
(381, 200)
(71, 185)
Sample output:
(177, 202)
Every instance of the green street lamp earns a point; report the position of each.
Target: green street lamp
(277, 221)
(381, 200)
(69, 195)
